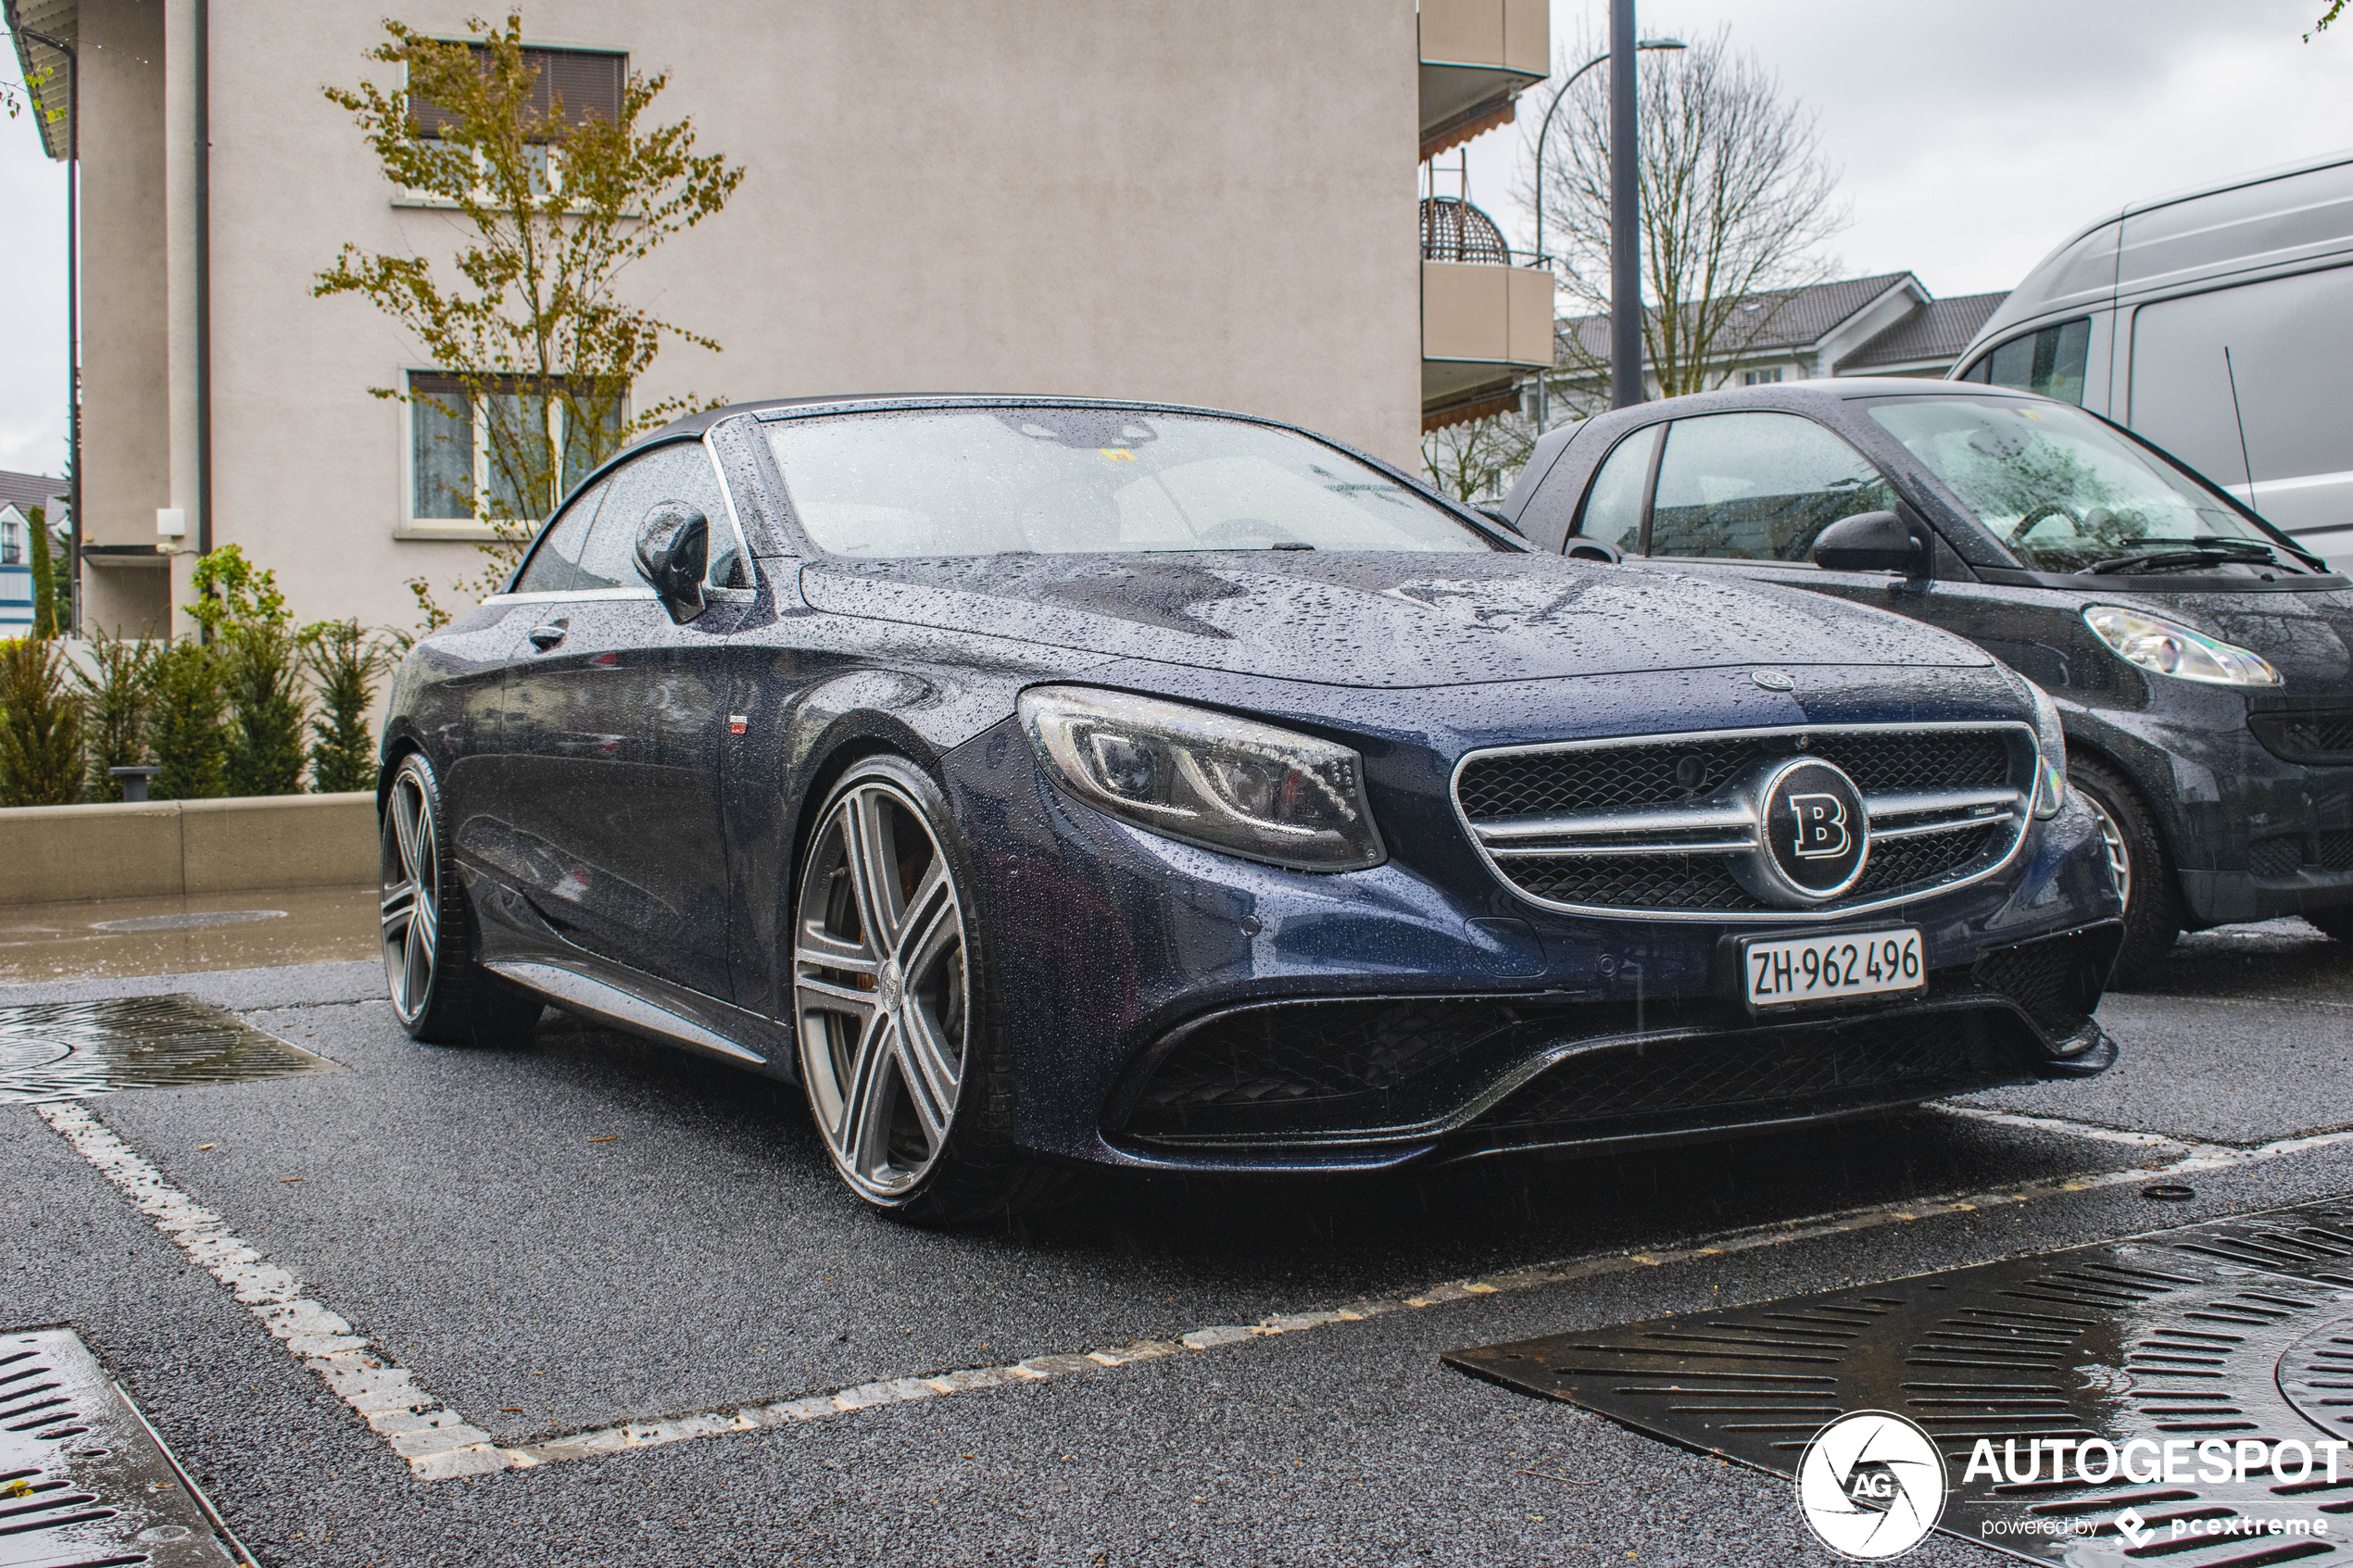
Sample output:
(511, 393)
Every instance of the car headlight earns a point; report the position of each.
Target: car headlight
(2170, 648)
(1208, 778)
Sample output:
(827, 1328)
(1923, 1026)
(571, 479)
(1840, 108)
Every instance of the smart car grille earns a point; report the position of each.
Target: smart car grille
(1642, 826)
(2318, 739)
(1770, 1073)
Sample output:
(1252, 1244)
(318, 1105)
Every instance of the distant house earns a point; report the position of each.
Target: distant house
(1885, 325)
(20, 494)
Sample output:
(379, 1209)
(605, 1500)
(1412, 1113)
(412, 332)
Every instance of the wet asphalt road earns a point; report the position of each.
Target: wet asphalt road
(697, 1254)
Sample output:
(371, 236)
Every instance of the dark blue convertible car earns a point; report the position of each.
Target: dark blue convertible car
(1044, 782)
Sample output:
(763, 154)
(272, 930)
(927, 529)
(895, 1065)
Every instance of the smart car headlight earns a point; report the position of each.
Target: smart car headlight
(2170, 648)
(1208, 778)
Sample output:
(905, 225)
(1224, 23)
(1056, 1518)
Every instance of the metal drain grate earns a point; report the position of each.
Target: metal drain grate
(2231, 1332)
(84, 1481)
(71, 1050)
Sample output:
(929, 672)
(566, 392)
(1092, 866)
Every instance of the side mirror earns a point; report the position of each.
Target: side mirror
(1875, 541)
(1582, 548)
(674, 546)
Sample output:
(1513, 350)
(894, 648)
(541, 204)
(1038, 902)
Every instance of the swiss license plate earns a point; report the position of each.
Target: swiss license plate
(1817, 969)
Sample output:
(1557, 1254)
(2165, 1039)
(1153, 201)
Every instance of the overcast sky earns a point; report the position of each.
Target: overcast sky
(1971, 136)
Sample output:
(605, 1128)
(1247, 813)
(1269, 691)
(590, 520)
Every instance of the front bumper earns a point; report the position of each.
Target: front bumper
(1151, 994)
(2254, 835)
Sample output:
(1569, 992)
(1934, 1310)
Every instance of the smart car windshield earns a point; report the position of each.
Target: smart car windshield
(2068, 494)
(1064, 480)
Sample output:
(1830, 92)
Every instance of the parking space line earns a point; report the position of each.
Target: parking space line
(440, 1444)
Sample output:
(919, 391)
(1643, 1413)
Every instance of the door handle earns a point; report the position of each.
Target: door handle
(547, 637)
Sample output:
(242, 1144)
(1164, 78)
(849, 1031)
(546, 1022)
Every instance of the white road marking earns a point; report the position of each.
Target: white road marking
(440, 1444)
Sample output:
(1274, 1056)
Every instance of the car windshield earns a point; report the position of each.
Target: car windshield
(2067, 493)
(977, 482)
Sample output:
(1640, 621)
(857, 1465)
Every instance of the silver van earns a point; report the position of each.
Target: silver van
(2131, 317)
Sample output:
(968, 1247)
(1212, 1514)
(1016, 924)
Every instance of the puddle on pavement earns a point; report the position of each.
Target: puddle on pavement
(71, 1050)
(112, 938)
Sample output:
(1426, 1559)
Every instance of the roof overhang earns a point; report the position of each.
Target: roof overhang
(44, 66)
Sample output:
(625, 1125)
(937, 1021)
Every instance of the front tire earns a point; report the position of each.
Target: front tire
(894, 1008)
(439, 994)
(2144, 872)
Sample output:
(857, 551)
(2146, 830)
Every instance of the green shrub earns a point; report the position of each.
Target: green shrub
(48, 606)
(261, 668)
(40, 726)
(114, 706)
(186, 725)
(345, 664)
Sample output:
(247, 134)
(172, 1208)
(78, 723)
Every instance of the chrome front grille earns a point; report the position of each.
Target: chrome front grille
(1650, 825)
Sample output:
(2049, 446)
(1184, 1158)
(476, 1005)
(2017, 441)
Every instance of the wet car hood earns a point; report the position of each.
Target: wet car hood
(1384, 620)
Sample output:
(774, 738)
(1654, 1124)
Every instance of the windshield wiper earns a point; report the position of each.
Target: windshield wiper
(2203, 550)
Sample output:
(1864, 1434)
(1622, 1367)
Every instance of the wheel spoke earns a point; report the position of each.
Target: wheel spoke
(404, 828)
(399, 905)
(833, 998)
(934, 902)
(930, 1067)
(824, 949)
(874, 867)
(864, 1138)
(416, 968)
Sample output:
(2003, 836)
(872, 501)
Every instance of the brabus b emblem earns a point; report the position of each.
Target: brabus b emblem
(1821, 826)
(1813, 832)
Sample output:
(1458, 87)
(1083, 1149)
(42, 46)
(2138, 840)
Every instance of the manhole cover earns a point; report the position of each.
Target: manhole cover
(69, 1051)
(84, 1481)
(189, 921)
(2213, 1340)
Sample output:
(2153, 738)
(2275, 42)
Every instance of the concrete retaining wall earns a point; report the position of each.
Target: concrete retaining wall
(49, 854)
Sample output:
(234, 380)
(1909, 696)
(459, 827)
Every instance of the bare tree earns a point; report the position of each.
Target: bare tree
(1736, 206)
(1476, 460)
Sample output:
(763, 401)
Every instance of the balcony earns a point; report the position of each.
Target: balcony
(1476, 56)
(1485, 322)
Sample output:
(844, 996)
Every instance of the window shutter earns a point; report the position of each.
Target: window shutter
(588, 80)
(589, 83)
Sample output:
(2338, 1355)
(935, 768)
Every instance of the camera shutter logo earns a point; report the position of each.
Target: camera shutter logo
(1871, 1485)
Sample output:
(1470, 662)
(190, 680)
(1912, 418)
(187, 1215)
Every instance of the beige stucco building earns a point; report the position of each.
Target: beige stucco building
(1212, 203)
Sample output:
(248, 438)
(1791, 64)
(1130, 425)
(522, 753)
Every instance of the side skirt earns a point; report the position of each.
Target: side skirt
(646, 1006)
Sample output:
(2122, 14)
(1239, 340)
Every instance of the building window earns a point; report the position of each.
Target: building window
(499, 443)
(11, 538)
(1761, 378)
(589, 83)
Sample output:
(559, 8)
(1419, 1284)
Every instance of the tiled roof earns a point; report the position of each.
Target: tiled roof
(28, 490)
(1797, 317)
(1939, 329)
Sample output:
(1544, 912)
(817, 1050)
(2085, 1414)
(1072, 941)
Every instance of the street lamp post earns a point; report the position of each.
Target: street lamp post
(1543, 132)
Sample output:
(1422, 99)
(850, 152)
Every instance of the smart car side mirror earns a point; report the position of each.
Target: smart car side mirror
(1874, 542)
(1592, 550)
(674, 546)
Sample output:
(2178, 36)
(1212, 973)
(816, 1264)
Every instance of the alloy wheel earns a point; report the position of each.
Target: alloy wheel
(881, 992)
(2119, 859)
(411, 907)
